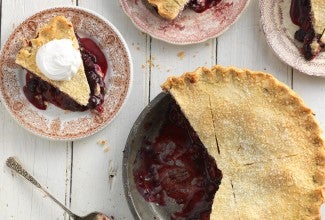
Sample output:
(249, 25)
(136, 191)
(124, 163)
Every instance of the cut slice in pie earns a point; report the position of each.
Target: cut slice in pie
(263, 138)
(77, 87)
(309, 15)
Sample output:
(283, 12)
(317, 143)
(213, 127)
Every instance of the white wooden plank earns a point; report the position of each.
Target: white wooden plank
(92, 189)
(167, 60)
(244, 46)
(312, 90)
(49, 161)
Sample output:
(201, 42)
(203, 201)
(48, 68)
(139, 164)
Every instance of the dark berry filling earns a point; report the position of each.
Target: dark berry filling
(39, 92)
(202, 5)
(176, 165)
(300, 13)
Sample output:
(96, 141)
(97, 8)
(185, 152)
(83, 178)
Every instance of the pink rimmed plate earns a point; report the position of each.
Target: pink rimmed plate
(279, 32)
(189, 27)
(55, 123)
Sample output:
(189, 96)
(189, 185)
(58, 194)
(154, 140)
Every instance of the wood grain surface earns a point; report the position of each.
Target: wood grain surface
(86, 175)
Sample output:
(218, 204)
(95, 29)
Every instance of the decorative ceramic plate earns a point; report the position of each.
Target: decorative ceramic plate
(55, 123)
(279, 32)
(189, 27)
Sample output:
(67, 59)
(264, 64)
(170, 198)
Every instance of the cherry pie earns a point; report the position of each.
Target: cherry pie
(170, 9)
(85, 90)
(309, 15)
(263, 138)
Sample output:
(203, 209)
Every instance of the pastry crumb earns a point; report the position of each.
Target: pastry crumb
(181, 55)
(105, 149)
(150, 62)
(101, 142)
(104, 145)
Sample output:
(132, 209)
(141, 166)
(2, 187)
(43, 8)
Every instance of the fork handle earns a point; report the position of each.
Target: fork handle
(14, 164)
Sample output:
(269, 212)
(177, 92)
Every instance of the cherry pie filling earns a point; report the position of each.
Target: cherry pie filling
(39, 92)
(300, 13)
(177, 166)
(202, 5)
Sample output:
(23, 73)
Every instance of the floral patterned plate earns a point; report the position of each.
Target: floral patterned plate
(189, 27)
(279, 33)
(55, 123)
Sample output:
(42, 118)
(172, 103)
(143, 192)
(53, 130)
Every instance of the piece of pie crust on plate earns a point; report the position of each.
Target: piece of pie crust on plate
(57, 28)
(309, 15)
(169, 9)
(263, 138)
(318, 22)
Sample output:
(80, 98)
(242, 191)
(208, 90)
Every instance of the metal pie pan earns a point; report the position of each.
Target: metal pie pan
(154, 114)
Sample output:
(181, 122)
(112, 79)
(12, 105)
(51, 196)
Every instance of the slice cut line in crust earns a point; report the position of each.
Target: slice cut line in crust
(264, 139)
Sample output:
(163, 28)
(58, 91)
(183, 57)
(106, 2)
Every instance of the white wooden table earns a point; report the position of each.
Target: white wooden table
(78, 172)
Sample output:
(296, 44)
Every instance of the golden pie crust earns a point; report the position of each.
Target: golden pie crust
(318, 17)
(264, 139)
(169, 9)
(57, 28)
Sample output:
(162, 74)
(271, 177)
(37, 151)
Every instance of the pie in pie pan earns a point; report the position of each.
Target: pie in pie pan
(264, 140)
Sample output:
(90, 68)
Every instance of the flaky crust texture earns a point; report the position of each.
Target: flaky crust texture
(318, 16)
(264, 139)
(169, 9)
(58, 28)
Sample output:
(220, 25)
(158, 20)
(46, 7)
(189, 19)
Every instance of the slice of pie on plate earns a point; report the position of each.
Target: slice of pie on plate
(263, 138)
(318, 22)
(318, 17)
(309, 15)
(77, 87)
(169, 9)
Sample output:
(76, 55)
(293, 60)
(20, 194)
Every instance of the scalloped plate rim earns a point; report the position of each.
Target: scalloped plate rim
(306, 69)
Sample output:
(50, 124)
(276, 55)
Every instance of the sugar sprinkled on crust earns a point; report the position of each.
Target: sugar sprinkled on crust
(265, 140)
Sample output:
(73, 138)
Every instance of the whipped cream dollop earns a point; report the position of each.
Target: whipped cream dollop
(58, 59)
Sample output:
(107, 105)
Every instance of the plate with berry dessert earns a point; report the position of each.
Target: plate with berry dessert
(65, 73)
(295, 31)
(183, 21)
